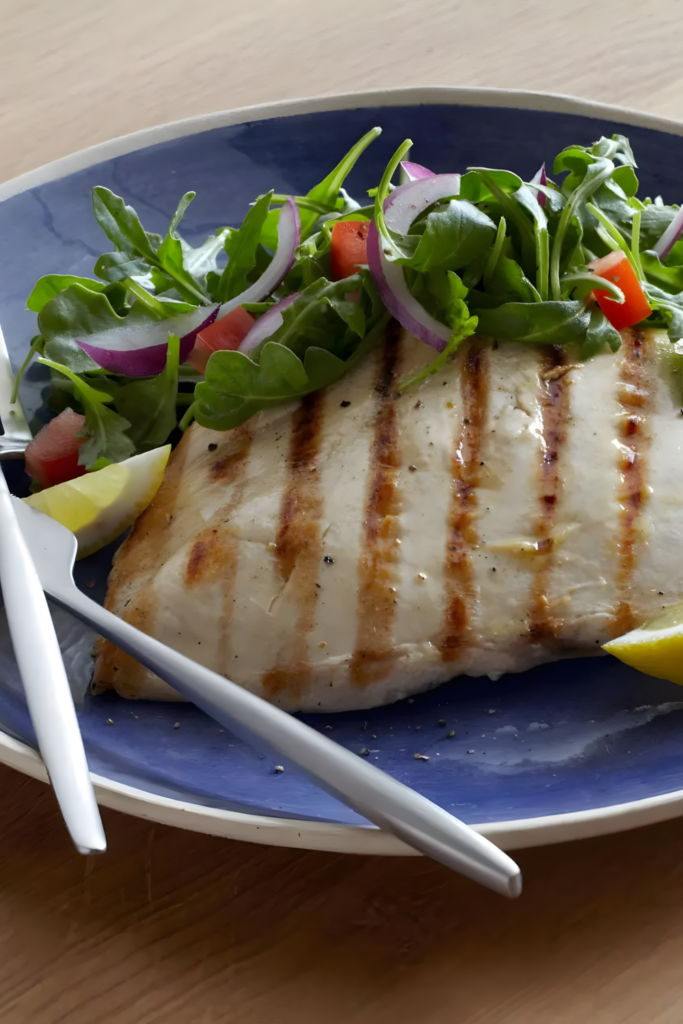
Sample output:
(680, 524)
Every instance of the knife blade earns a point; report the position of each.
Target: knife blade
(36, 649)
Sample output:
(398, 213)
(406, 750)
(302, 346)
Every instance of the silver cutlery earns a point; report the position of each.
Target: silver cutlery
(360, 785)
(36, 648)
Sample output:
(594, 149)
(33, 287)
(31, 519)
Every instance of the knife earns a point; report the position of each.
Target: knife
(36, 647)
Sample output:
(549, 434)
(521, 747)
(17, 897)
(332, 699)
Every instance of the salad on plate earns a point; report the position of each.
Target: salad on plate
(425, 431)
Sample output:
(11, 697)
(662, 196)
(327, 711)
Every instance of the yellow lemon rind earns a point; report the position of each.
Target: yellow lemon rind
(99, 506)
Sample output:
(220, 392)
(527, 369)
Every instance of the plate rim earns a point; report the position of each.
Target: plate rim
(440, 95)
(297, 833)
(330, 837)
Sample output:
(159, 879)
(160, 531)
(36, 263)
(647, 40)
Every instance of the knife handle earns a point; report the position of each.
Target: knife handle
(46, 685)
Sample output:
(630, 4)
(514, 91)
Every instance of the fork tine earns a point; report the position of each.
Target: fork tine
(16, 431)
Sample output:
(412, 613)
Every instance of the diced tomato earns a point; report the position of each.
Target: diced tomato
(349, 247)
(52, 455)
(617, 268)
(225, 334)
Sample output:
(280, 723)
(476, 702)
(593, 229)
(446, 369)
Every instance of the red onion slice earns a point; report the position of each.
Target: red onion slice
(414, 172)
(400, 210)
(540, 178)
(288, 238)
(670, 236)
(266, 325)
(140, 351)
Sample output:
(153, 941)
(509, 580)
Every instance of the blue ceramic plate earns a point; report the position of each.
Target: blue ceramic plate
(566, 750)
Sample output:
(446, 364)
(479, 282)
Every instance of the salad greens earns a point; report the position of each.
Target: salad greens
(502, 257)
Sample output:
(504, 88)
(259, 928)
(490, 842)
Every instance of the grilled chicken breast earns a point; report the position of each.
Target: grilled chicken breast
(360, 546)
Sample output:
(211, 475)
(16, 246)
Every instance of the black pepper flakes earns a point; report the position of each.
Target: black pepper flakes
(345, 404)
(213, 446)
(328, 559)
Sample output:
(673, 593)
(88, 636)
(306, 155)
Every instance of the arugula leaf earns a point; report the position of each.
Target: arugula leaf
(203, 260)
(664, 276)
(327, 191)
(478, 184)
(599, 334)
(549, 323)
(122, 226)
(75, 311)
(236, 387)
(526, 198)
(452, 235)
(654, 221)
(78, 311)
(670, 310)
(37, 344)
(462, 326)
(242, 249)
(310, 320)
(508, 283)
(501, 184)
(327, 196)
(104, 430)
(117, 266)
(594, 174)
(171, 254)
(149, 404)
(52, 284)
(392, 249)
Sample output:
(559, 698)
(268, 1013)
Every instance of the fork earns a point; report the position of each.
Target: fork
(362, 786)
(36, 648)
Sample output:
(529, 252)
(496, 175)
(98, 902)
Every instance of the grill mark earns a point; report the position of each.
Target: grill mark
(554, 400)
(213, 557)
(466, 458)
(635, 399)
(377, 568)
(145, 543)
(299, 547)
(214, 549)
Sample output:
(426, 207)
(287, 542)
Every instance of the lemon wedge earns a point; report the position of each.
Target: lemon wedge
(655, 648)
(98, 506)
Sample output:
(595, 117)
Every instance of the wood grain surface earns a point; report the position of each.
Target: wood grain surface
(174, 927)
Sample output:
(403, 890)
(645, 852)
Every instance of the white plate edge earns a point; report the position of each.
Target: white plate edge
(332, 838)
(523, 99)
(509, 835)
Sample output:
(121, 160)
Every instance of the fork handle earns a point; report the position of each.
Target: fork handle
(46, 686)
(360, 785)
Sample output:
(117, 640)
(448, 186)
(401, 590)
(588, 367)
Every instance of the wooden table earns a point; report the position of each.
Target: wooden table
(174, 927)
